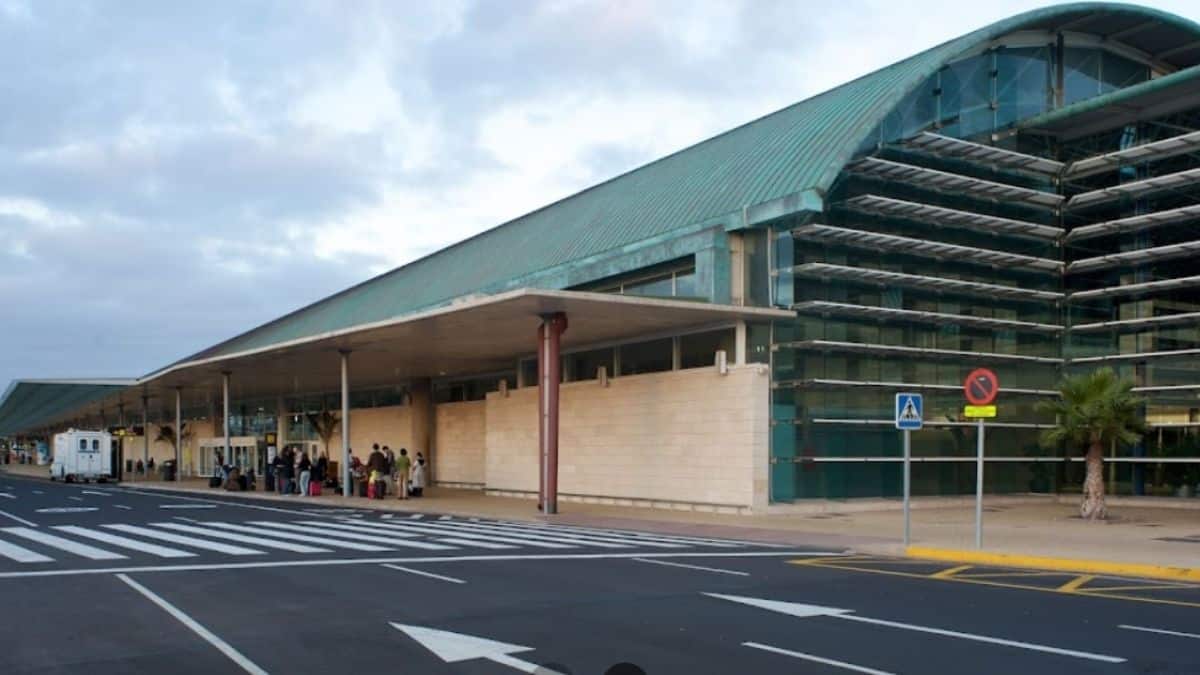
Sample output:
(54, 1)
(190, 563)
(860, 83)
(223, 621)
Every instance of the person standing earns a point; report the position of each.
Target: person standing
(321, 468)
(418, 476)
(305, 467)
(403, 466)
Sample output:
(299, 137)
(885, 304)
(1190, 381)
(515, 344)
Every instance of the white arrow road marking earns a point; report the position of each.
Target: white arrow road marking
(692, 567)
(817, 659)
(423, 573)
(805, 611)
(205, 634)
(1163, 631)
(455, 647)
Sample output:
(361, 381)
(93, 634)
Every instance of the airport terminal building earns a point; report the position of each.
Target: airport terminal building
(725, 328)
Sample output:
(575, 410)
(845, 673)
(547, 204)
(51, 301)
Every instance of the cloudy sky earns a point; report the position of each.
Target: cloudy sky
(173, 173)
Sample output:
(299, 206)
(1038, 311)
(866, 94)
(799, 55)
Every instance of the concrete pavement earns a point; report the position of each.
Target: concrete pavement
(729, 606)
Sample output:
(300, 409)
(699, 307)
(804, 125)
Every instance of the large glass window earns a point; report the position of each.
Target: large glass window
(1023, 84)
(584, 365)
(699, 349)
(646, 357)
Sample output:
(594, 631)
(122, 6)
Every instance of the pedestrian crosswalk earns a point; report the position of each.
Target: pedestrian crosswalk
(329, 536)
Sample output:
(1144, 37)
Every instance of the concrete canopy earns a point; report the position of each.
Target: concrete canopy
(475, 335)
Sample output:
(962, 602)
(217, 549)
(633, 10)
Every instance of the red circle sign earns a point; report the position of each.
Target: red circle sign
(981, 386)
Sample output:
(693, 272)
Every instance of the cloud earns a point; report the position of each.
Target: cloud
(172, 174)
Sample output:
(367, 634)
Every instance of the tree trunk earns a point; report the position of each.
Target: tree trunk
(1093, 506)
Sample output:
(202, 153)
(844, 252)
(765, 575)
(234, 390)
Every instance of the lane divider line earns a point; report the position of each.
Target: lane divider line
(423, 573)
(1162, 631)
(816, 659)
(950, 572)
(208, 636)
(692, 567)
(1077, 566)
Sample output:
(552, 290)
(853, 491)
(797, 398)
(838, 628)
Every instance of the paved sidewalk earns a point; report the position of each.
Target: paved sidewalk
(1141, 533)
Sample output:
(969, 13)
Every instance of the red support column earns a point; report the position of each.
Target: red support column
(549, 376)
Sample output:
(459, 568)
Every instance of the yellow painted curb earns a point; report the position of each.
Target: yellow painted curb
(1055, 564)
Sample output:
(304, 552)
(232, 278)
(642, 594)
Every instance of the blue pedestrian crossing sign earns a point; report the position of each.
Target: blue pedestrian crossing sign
(909, 409)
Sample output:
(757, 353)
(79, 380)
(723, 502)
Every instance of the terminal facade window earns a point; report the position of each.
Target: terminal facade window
(675, 279)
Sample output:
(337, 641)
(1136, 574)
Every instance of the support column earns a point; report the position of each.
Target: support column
(346, 482)
(178, 430)
(739, 343)
(145, 430)
(549, 355)
(424, 425)
(225, 413)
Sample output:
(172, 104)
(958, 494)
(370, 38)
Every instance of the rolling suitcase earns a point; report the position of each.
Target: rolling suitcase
(314, 489)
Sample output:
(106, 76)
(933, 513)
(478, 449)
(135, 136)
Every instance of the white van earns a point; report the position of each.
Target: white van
(82, 455)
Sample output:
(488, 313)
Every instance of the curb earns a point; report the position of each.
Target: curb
(1056, 564)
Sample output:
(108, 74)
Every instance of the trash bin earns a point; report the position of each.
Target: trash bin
(168, 470)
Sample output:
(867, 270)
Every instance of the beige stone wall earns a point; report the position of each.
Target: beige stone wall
(691, 436)
(390, 426)
(161, 450)
(461, 430)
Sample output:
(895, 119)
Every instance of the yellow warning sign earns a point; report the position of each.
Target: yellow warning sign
(979, 411)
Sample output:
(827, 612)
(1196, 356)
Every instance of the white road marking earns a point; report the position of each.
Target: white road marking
(205, 634)
(94, 492)
(338, 530)
(19, 519)
(570, 535)
(431, 575)
(416, 516)
(806, 611)
(1163, 631)
(445, 517)
(185, 519)
(598, 542)
(38, 492)
(323, 541)
(125, 542)
(47, 539)
(243, 538)
(21, 554)
(163, 494)
(122, 506)
(78, 499)
(8, 495)
(454, 647)
(817, 659)
(450, 531)
(187, 506)
(693, 567)
(185, 541)
(490, 557)
(477, 544)
(68, 509)
(679, 539)
(387, 516)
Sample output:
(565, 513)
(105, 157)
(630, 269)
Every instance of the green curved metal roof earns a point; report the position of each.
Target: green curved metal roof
(802, 147)
(28, 404)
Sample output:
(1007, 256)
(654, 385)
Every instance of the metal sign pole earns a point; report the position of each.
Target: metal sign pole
(907, 486)
(979, 488)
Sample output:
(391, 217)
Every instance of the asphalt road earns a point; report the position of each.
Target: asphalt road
(148, 582)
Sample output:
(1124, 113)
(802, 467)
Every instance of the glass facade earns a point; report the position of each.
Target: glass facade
(927, 262)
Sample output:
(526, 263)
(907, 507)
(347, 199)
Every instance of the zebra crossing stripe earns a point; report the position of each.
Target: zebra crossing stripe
(47, 539)
(125, 542)
(324, 541)
(477, 544)
(335, 530)
(21, 554)
(555, 536)
(186, 541)
(679, 539)
(602, 541)
(243, 538)
(451, 531)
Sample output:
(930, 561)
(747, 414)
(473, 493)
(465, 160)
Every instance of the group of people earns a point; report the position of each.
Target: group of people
(404, 474)
(295, 473)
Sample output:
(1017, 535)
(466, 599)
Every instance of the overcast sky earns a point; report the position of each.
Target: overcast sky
(173, 173)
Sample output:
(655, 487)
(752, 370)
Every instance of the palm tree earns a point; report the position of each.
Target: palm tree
(324, 424)
(1093, 410)
(166, 434)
